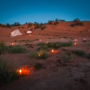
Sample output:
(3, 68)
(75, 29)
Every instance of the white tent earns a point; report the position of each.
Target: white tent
(16, 32)
(29, 32)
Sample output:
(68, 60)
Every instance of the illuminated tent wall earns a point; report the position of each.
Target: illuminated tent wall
(16, 32)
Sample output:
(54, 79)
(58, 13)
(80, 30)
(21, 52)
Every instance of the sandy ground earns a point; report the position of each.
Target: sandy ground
(55, 76)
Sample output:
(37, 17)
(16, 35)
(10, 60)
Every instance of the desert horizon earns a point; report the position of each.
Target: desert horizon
(44, 45)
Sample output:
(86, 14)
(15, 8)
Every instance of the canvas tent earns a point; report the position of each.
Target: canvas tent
(29, 32)
(16, 32)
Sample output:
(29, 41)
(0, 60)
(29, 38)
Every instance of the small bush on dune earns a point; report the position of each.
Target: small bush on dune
(38, 66)
(41, 54)
(77, 22)
(88, 55)
(79, 52)
(54, 45)
(16, 24)
(43, 27)
(42, 46)
(30, 25)
(5, 74)
(65, 44)
(66, 58)
(57, 45)
(3, 47)
(16, 49)
(38, 25)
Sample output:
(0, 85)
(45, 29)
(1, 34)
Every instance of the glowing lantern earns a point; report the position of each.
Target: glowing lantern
(39, 54)
(75, 40)
(46, 42)
(12, 43)
(75, 43)
(53, 51)
(40, 40)
(25, 70)
(30, 34)
(84, 39)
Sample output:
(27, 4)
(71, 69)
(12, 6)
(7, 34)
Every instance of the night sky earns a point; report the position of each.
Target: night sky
(43, 10)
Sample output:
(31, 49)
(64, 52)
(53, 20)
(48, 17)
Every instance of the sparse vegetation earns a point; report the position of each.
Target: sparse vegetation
(16, 24)
(39, 54)
(3, 47)
(16, 49)
(29, 45)
(38, 25)
(77, 22)
(55, 45)
(6, 75)
(79, 52)
(30, 25)
(88, 55)
(43, 27)
(38, 66)
(66, 58)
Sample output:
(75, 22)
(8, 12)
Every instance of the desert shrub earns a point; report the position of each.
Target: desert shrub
(57, 45)
(43, 27)
(3, 47)
(16, 49)
(38, 66)
(30, 25)
(50, 22)
(39, 54)
(28, 45)
(16, 24)
(88, 55)
(8, 25)
(79, 52)
(56, 22)
(66, 58)
(45, 47)
(65, 44)
(38, 25)
(5, 74)
(54, 45)
(77, 22)
(42, 46)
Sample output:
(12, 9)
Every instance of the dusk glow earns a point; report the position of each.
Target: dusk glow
(43, 10)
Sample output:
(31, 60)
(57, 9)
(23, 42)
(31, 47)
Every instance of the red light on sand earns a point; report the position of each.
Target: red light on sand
(75, 40)
(75, 43)
(30, 34)
(12, 43)
(53, 51)
(39, 54)
(46, 42)
(40, 40)
(25, 70)
(84, 39)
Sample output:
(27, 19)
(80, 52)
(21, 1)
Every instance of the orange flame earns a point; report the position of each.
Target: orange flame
(53, 51)
(25, 70)
(84, 39)
(40, 40)
(46, 42)
(30, 34)
(12, 43)
(75, 40)
(75, 43)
